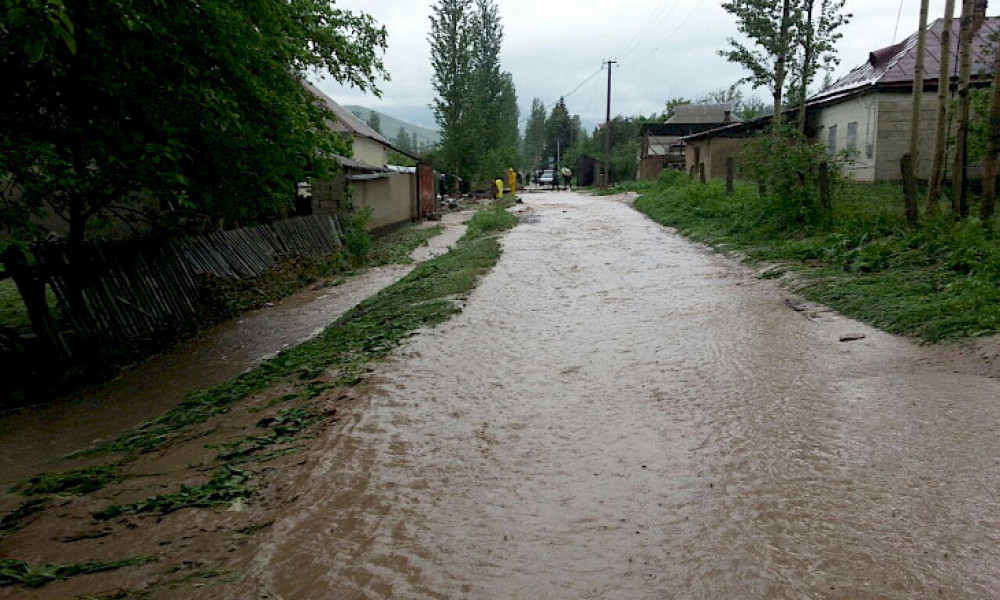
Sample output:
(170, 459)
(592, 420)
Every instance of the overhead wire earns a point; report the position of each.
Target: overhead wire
(669, 36)
(649, 27)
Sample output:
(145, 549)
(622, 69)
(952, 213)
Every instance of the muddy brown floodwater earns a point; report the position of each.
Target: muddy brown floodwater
(34, 436)
(619, 413)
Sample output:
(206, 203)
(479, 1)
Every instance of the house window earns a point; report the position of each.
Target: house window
(852, 136)
(831, 140)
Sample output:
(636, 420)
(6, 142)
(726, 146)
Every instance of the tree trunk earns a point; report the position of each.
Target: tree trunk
(32, 290)
(806, 64)
(912, 165)
(781, 62)
(960, 198)
(989, 203)
(944, 87)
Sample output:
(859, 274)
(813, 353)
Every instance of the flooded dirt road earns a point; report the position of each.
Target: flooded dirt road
(33, 436)
(618, 413)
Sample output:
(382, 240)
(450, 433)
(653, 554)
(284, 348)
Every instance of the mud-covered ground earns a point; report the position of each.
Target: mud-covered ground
(616, 413)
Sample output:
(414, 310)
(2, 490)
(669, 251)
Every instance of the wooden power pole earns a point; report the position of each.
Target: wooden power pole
(605, 179)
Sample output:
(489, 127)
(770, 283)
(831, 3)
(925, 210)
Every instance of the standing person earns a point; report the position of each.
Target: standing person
(566, 175)
(512, 180)
(499, 190)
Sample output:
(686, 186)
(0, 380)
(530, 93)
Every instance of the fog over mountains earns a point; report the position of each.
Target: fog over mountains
(390, 126)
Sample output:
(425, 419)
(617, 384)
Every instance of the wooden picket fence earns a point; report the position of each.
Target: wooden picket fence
(130, 295)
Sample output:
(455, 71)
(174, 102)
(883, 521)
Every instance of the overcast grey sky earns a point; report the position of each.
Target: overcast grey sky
(667, 48)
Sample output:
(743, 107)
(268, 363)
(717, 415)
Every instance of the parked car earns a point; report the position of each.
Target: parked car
(548, 175)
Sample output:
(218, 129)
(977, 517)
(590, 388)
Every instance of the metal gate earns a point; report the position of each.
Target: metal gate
(426, 193)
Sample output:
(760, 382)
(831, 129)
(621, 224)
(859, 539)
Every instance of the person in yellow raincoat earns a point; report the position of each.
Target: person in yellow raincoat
(499, 190)
(512, 180)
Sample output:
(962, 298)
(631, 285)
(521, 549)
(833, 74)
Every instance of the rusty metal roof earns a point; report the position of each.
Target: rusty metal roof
(894, 66)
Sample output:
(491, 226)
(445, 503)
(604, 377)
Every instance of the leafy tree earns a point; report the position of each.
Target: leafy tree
(476, 104)
(671, 108)
(375, 121)
(559, 131)
(451, 57)
(198, 105)
(403, 141)
(773, 26)
(534, 136)
(818, 36)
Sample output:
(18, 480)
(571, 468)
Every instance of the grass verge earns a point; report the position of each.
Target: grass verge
(937, 282)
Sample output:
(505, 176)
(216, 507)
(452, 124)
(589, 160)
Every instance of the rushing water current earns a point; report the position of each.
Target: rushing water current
(618, 413)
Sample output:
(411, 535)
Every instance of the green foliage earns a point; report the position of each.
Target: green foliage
(936, 282)
(13, 520)
(476, 103)
(285, 428)
(490, 221)
(356, 237)
(396, 247)
(197, 107)
(533, 149)
(228, 486)
(75, 483)
(15, 572)
(788, 167)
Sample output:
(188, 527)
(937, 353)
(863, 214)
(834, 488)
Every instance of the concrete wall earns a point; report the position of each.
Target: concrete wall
(883, 134)
(370, 152)
(833, 125)
(713, 152)
(393, 199)
(894, 114)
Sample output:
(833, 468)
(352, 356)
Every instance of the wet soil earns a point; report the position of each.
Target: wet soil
(616, 413)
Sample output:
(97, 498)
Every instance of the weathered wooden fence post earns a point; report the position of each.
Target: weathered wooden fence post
(730, 174)
(701, 172)
(825, 193)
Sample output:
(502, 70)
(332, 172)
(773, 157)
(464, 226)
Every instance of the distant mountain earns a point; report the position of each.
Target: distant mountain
(390, 126)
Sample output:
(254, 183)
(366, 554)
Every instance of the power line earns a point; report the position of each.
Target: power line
(649, 27)
(575, 90)
(670, 35)
(899, 16)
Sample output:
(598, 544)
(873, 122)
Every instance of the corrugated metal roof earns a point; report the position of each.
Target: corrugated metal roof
(345, 118)
(894, 66)
(350, 163)
(702, 114)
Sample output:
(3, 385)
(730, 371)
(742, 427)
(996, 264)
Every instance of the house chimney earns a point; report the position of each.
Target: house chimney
(727, 117)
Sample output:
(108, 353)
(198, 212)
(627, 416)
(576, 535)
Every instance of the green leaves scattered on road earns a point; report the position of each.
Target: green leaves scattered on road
(75, 483)
(14, 572)
(228, 486)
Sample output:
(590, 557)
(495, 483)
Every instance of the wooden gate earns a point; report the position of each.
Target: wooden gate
(426, 191)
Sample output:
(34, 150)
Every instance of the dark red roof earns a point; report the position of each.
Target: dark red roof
(894, 65)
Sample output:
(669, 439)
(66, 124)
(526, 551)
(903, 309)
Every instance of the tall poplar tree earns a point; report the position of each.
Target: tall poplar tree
(476, 106)
(534, 136)
(451, 57)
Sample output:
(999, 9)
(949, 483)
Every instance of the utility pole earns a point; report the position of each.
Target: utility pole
(607, 131)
